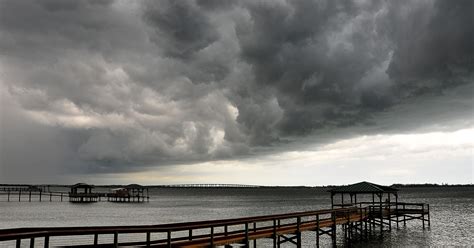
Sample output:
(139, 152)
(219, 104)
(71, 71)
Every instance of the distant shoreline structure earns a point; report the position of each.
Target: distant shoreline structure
(396, 185)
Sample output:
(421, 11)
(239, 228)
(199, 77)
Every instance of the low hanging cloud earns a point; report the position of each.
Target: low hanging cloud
(126, 85)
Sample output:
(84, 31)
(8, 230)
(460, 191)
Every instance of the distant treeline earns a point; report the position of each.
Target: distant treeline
(399, 185)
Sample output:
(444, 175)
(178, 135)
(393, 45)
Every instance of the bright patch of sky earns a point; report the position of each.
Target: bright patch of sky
(443, 157)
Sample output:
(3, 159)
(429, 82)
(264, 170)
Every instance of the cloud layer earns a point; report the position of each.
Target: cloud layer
(110, 86)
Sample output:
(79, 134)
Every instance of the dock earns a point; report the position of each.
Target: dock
(31, 192)
(357, 220)
(79, 193)
(130, 193)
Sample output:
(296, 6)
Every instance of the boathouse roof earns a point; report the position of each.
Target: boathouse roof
(134, 186)
(82, 185)
(363, 187)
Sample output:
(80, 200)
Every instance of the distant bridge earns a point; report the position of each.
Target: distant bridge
(207, 185)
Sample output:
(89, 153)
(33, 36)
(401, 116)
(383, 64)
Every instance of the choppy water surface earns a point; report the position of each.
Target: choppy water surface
(452, 212)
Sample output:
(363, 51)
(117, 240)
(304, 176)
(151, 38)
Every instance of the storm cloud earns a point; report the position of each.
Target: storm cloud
(116, 86)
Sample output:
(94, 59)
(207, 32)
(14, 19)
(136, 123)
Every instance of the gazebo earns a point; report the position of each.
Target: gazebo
(363, 188)
(129, 193)
(82, 192)
(76, 188)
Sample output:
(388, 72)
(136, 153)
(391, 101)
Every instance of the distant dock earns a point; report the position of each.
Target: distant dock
(358, 220)
(79, 193)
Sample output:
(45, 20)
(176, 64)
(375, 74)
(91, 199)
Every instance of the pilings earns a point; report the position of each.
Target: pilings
(20, 195)
(127, 198)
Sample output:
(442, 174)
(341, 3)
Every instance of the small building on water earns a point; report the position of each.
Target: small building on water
(129, 193)
(380, 212)
(82, 193)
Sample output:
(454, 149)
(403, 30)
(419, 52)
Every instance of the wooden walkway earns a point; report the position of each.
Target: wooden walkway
(28, 195)
(354, 221)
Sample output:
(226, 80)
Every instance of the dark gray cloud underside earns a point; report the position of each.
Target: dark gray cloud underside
(120, 85)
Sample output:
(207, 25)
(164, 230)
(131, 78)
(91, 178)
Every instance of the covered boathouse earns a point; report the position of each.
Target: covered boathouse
(82, 193)
(129, 193)
(382, 204)
(363, 188)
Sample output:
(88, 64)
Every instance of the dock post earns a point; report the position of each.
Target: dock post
(404, 216)
(9, 195)
(19, 195)
(370, 223)
(212, 236)
(279, 238)
(333, 227)
(29, 196)
(169, 239)
(40, 194)
(32, 242)
(18, 243)
(50, 196)
(344, 227)
(381, 216)
(298, 232)
(46, 241)
(255, 230)
(274, 234)
(389, 213)
(115, 239)
(96, 239)
(317, 230)
(366, 232)
(429, 221)
(148, 238)
(423, 215)
(246, 245)
(373, 219)
(365, 223)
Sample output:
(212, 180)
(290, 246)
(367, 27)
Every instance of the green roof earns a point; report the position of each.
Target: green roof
(82, 185)
(363, 187)
(134, 186)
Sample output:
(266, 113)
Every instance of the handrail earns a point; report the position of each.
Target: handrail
(292, 221)
(381, 203)
(22, 233)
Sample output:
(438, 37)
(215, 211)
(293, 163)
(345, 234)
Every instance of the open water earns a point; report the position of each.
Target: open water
(452, 212)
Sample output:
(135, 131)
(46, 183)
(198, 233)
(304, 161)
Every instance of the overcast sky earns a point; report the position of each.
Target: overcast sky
(249, 92)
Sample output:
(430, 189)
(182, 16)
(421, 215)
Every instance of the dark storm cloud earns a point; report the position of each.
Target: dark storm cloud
(181, 28)
(432, 49)
(123, 85)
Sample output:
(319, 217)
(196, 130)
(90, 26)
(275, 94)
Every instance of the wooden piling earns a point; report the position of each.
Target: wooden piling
(317, 230)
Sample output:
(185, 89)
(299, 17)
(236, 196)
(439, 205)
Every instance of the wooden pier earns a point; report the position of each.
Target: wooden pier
(355, 221)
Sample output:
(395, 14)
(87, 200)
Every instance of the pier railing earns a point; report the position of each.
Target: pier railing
(205, 233)
(280, 228)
